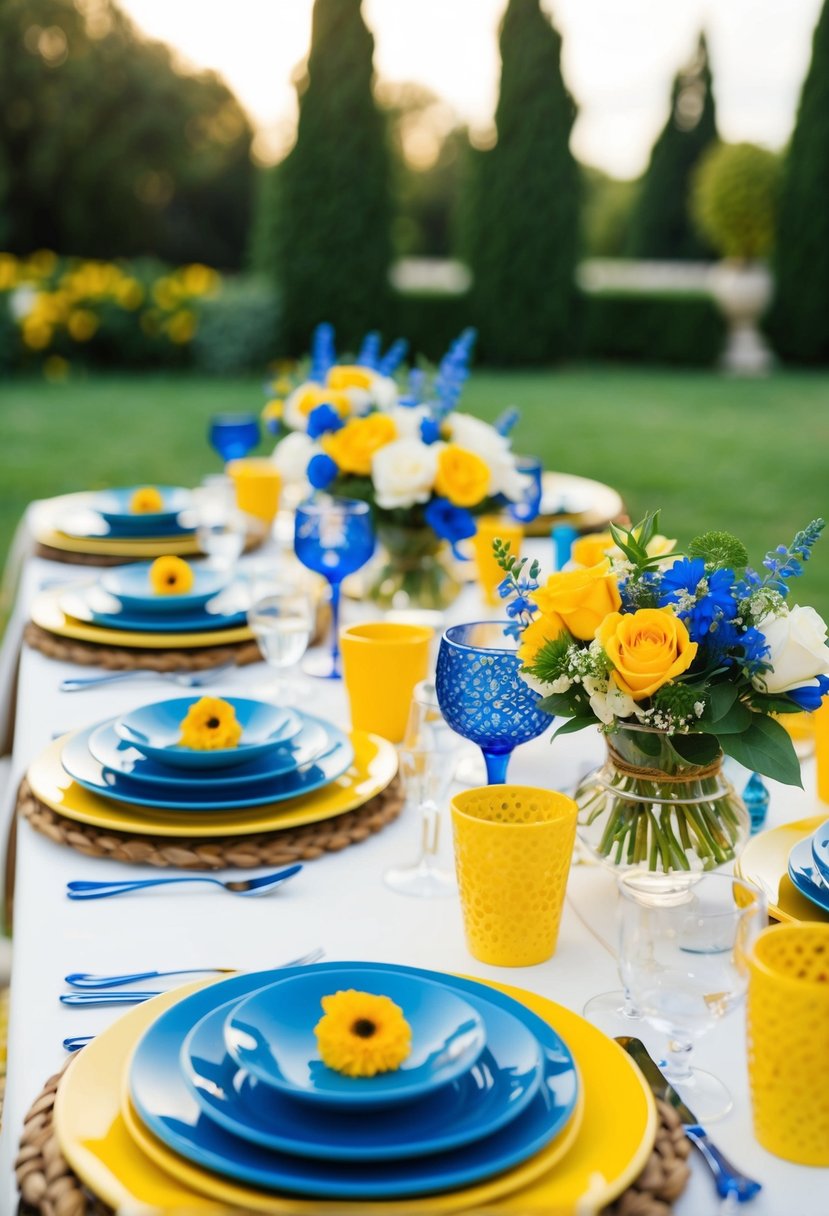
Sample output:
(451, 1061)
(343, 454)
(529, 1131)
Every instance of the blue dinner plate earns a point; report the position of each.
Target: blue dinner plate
(271, 1035)
(85, 523)
(88, 772)
(132, 588)
(155, 731)
(167, 1106)
(121, 758)
(806, 876)
(820, 850)
(83, 605)
(495, 1090)
(114, 507)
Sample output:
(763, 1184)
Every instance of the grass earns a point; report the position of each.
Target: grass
(748, 456)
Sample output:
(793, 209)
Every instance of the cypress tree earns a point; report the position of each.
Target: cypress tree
(333, 189)
(800, 315)
(523, 212)
(661, 226)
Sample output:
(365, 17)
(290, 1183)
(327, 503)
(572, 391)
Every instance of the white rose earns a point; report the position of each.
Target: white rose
(384, 392)
(293, 417)
(407, 419)
(291, 456)
(403, 473)
(797, 650)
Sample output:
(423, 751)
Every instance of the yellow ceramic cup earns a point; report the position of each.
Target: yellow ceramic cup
(489, 572)
(820, 719)
(382, 662)
(258, 484)
(788, 1041)
(513, 846)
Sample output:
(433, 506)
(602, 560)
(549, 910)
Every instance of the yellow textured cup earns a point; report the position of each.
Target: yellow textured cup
(258, 486)
(489, 572)
(820, 719)
(382, 662)
(513, 846)
(788, 1041)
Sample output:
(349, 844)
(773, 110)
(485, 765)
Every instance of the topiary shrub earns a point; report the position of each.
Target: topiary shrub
(734, 199)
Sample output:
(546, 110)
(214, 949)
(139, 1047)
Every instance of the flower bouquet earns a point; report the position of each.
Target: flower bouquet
(678, 660)
(426, 469)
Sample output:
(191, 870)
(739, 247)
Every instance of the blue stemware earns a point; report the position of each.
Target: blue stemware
(529, 506)
(482, 695)
(233, 436)
(334, 537)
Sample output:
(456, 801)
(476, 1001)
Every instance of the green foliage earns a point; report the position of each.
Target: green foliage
(429, 320)
(734, 199)
(332, 233)
(607, 211)
(800, 318)
(654, 327)
(719, 549)
(523, 212)
(116, 151)
(764, 747)
(661, 226)
(238, 329)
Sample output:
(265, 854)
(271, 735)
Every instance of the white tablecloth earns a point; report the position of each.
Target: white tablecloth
(338, 902)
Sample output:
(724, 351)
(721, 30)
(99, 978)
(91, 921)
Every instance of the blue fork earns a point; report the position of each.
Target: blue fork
(249, 887)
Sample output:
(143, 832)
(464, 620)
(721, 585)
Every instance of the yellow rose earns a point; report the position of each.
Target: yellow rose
(581, 598)
(350, 375)
(353, 447)
(544, 628)
(647, 649)
(313, 395)
(462, 477)
(591, 549)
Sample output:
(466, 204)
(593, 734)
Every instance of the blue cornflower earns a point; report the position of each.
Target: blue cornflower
(448, 521)
(321, 471)
(323, 419)
(702, 600)
(810, 696)
(731, 645)
(429, 430)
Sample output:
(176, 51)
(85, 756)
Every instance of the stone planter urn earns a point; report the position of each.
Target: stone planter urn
(743, 292)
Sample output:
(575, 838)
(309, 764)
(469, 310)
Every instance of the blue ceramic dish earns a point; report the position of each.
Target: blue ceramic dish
(166, 1105)
(495, 1090)
(114, 507)
(83, 768)
(97, 607)
(271, 1035)
(132, 588)
(155, 730)
(120, 758)
(820, 850)
(806, 876)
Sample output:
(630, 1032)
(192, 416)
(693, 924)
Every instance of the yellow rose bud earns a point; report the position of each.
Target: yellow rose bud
(146, 499)
(347, 375)
(647, 649)
(581, 598)
(353, 447)
(591, 549)
(543, 629)
(462, 476)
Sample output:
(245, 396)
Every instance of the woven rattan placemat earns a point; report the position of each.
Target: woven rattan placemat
(126, 658)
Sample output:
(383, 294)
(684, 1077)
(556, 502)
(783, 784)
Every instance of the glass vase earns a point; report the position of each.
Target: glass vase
(647, 808)
(417, 571)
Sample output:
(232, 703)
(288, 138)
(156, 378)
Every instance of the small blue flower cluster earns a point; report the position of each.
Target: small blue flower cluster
(517, 588)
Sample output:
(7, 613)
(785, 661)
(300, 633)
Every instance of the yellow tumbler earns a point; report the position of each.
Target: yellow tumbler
(258, 484)
(788, 1041)
(513, 845)
(489, 572)
(382, 662)
(820, 719)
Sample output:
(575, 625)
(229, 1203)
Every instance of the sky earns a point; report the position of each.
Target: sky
(619, 58)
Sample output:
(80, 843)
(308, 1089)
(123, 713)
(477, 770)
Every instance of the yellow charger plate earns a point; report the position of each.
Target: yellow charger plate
(765, 861)
(373, 768)
(604, 1154)
(48, 614)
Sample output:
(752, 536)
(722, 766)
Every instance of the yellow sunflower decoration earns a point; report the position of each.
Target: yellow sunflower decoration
(145, 500)
(171, 576)
(210, 723)
(362, 1034)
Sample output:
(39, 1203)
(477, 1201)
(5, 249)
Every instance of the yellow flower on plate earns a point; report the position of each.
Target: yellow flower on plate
(353, 447)
(171, 576)
(581, 598)
(546, 627)
(350, 375)
(462, 477)
(362, 1034)
(210, 723)
(647, 649)
(146, 500)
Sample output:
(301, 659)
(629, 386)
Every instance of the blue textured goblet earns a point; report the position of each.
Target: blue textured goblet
(527, 509)
(232, 436)
(334, 537)
(482, 695)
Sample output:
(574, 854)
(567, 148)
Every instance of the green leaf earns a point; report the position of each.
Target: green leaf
(569, 728)
(738, 719)
(695, 748)
(768, 703)
(720, 699)
(558, 704)
(765, 748)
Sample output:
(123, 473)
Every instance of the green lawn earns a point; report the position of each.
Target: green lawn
(712, 452)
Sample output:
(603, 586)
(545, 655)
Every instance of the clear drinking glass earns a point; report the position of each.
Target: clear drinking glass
(684, 955)
(427, 764)
(282, 623)
(221, 528)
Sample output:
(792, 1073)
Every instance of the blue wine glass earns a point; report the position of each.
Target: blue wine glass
(528, 508)
(482, 695)
(334, 537)
(233, 436)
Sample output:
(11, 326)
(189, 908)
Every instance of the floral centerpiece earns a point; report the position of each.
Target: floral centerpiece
(354, 431)
(678, 660)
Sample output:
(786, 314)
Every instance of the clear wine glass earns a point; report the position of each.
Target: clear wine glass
(221, 528)
(684, 960)
(233, 436)
(427, 763)
(334, 537)
(282, 623)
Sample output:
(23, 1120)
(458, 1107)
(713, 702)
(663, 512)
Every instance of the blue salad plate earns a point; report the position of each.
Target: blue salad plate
(805, 875)
(496, 1089)
(131, 586)
(155, 731)
(820, 850)
(114, 508)
(166, 1104)
(86, 523)
(271, 1035)
(98, 607)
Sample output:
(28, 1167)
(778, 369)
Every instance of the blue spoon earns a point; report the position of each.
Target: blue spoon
(245, 886)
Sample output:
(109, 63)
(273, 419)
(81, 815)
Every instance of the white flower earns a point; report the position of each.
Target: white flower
(797, 650)
(295, 418)
(561, 684)
(612, 704)
(403, 473)
(291, 456)
(383, 392)
(407, 419)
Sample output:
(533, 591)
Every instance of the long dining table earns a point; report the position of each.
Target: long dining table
(339, 902)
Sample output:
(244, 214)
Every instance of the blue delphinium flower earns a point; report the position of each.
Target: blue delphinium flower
(322, 470)
(429, 430)
(702, 600)
(322, 419)
(730, 645)
(783, 563)
(810, 697)
(448, 521)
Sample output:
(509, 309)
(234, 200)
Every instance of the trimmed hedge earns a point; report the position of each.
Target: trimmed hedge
(429, 320)
(238, 328)
(657, 327)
